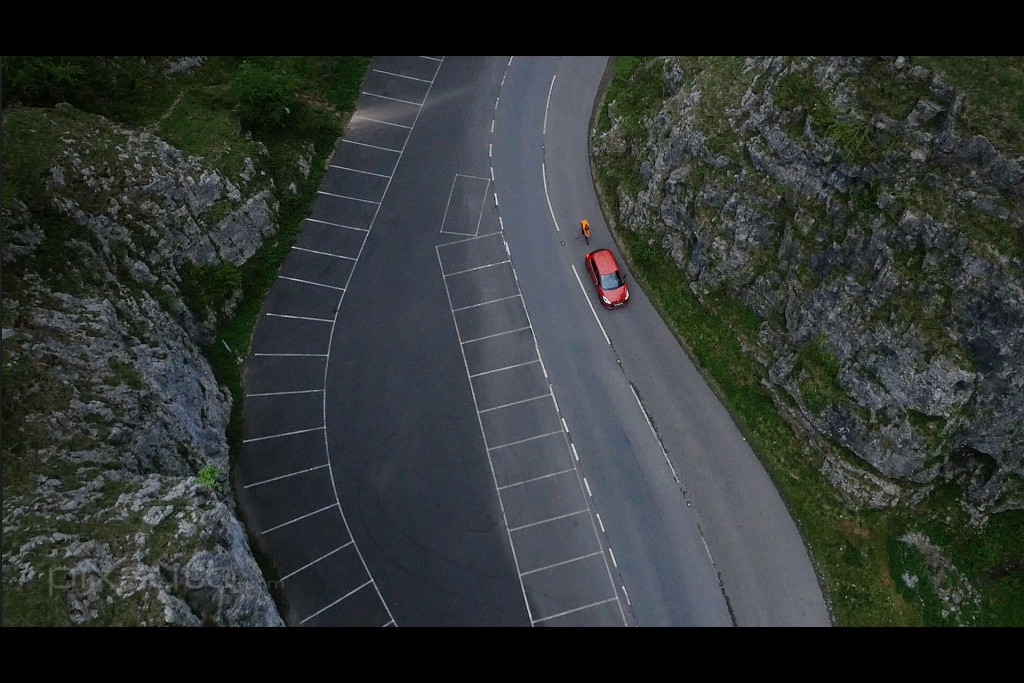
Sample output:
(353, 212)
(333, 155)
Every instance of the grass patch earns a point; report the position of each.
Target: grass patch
(798, 94)
(993, 559)
(880, 91)
(202, 123)
(722, 81)
(994, 89)
(986, 232)
(30, 392)
(36, 602)
(818, 370)
(123, 373)
(209, 285)
(641, 82)
(912, 577)
(30, 144)
(134, 90)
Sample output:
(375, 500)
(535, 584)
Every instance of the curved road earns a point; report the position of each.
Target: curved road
(442, 428)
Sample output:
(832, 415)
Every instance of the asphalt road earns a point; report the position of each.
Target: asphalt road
(443, 429)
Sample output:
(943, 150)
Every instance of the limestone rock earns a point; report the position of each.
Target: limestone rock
(114, 410)
(883, 245)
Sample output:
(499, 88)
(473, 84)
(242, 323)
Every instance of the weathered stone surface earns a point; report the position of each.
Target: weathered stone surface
(205, 574)
(121, 411)
(900, 259)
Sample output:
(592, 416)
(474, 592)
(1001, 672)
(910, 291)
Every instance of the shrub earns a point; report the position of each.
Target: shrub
(42, 80)
(209, 285)
(264, 99)
(209, 476)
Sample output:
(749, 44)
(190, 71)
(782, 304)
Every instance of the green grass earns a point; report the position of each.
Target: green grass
(29, 394)
(860, 556)
(640, 80)
(818, 370)
(994, 87)
(29, 149)
(719, 79)
(909, 572)
(880, 92)
(128, 89)
(202, 123)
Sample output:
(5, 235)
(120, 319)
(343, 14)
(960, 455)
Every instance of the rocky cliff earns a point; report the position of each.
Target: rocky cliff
(878, 239)
(117, 506)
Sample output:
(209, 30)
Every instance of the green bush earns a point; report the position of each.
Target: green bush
(209, 285)
(43, 80)
(265, 99)
(209, 476)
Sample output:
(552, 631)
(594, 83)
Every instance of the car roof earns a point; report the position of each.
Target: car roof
(605, 260)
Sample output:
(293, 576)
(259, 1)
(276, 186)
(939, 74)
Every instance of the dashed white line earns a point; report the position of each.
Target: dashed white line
(655, 433)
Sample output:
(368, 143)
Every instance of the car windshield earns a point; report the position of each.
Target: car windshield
(611, 280)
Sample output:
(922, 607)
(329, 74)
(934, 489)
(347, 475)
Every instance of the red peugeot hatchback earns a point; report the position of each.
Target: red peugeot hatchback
(607, 278)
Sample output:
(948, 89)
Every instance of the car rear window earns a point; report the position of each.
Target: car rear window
(611, 280)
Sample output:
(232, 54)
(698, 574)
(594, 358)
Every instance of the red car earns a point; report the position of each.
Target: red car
(607, 278)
